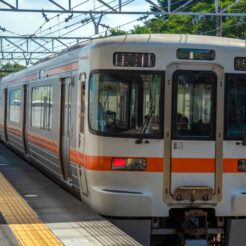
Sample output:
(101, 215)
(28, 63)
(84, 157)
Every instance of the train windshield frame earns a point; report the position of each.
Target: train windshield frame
(235, 106)
(122, 101)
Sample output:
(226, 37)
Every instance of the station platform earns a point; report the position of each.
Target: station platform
(36, 211)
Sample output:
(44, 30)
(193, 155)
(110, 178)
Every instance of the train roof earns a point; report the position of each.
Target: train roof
(72, 54)
(172, 39)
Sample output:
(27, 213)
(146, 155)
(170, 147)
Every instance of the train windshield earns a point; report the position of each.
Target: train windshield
(236, 107)
(121, 102)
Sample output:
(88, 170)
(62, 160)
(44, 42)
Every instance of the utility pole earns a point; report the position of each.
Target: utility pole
(218, 19)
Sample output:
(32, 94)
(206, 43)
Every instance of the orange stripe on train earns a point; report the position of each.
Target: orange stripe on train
(28, 77)
(48, 72)
(179, 165)
(14, 130)
(154, 164)
(201, 165)
(44, 142)
(61, 69)
(193, 165)
(103, 163)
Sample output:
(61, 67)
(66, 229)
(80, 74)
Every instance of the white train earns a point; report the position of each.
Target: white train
(148, 130)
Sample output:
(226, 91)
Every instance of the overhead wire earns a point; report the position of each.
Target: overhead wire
(33, 34)
(95, 19)
(59, 14)
(128, 1)
(64, 21)
(43, 25)
(17, 41)
(116, 27)
(90, 19)
(223, 27)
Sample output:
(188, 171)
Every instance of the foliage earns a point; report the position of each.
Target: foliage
(231, 26)
(9, 68)
(115, 32)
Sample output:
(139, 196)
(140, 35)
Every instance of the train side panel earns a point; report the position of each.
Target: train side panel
(43, 124)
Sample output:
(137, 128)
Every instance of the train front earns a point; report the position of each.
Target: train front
(154, 139)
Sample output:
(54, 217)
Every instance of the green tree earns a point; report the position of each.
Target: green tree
(115, 32)
(232, 26)
(10, 68)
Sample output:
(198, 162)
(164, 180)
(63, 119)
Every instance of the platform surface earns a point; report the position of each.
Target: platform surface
(36, 211)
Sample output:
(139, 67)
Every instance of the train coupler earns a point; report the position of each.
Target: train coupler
(195, 224)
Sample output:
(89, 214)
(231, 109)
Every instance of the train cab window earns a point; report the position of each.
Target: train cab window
(235, 125)
(14, 105)
(194, 100)
(42, 101)
(125, 103)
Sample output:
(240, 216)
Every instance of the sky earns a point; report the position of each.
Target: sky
(19, 23)
(28, 23)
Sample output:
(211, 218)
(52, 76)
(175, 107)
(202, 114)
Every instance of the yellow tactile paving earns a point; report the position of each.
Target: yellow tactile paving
(23, 221)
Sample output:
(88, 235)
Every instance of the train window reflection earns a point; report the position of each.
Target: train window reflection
(194, 101)
(14, 105)
(236, 107)
(121, 102)
(42, 97)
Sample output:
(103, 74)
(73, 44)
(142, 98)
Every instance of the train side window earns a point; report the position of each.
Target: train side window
(14, 105)
(82, 107)
(42, 104)
(194, 99)
(235, 106)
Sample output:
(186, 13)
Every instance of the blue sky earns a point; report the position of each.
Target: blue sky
(28, 23)
(17, 23)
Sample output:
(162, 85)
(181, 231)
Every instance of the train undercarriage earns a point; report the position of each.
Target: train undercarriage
(189, 226)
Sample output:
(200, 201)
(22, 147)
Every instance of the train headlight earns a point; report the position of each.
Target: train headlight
(129, 164)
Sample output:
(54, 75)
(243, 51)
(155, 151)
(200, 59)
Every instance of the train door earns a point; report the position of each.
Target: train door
(193, 128)
(65, 128)
(25, 119)
(5, 114)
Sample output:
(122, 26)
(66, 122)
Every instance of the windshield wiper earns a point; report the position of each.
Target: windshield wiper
(145, 126)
